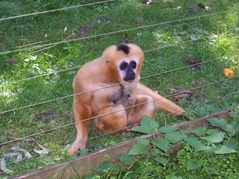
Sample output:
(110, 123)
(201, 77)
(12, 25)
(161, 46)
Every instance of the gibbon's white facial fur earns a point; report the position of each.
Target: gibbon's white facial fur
(127, 69)
(109, 89)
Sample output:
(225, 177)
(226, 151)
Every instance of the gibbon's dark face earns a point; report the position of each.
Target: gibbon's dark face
(127, 69)
(127, 66)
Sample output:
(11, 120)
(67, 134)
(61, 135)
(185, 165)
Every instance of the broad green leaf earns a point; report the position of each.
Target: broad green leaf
(162, 161)
(161, 143)
(196, 144)
(198, 132)
(236, 127)
(174, 137)
(124, 158)
(225, 150)
(230, 128)
(231, 144)
(142, 141)
(141, 129)
(147, 126)
(215, 138)
(221, 123)
(154, 124)
(147, 121)
(211, 170)
(193, 164)
(212, 131)
(104, 167)
(138, 149)
(167, 129)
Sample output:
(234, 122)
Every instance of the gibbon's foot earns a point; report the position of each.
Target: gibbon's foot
(74, 148)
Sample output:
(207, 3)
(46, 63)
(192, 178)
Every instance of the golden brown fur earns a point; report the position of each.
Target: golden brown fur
(109, 89)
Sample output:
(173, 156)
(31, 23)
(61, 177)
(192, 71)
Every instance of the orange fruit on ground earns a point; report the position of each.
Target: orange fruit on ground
(228, 72)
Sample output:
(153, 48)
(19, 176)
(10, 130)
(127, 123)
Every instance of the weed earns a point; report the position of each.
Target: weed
(194, 160)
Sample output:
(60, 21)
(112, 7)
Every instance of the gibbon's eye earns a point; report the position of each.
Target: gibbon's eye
(123, 66)
(133, 64)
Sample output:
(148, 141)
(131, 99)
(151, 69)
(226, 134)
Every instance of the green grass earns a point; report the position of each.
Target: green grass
(160, 28)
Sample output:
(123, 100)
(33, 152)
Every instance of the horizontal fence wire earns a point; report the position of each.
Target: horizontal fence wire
(145, 51)
(105, 134)
(115, 32)
(81, 93)
(108, 133)
(55, 10)
(73, 68)
(91, 118)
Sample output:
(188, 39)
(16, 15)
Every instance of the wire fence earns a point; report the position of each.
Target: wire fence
(98, 137)
(55, 10)
(49, 45)
(82, 93)
(74, 68)
(46, 46)
(92, 118)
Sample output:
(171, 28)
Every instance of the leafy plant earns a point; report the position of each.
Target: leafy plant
(140, 147)
(147, 126)
(212, 141)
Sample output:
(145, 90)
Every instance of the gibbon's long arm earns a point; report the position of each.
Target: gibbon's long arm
(160, 102)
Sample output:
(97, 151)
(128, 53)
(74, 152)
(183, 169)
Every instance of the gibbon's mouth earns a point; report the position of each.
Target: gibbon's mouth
(129, 80)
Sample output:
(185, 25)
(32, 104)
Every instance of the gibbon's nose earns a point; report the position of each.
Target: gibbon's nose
(130, 76)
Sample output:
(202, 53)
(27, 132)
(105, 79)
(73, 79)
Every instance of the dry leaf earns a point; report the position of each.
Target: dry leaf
(147, 2)
(193, 63)
(15, 156)
(203, 6)
(125, 39)
(138, 22)
(180, 93)
(42, 151)
(27, 154)
(3, 166)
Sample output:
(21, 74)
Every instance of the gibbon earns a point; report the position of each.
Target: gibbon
(108, 88)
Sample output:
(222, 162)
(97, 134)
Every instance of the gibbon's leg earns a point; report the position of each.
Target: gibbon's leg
(144, 106)
(112, 118)
(82, 113)
(160, 102)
